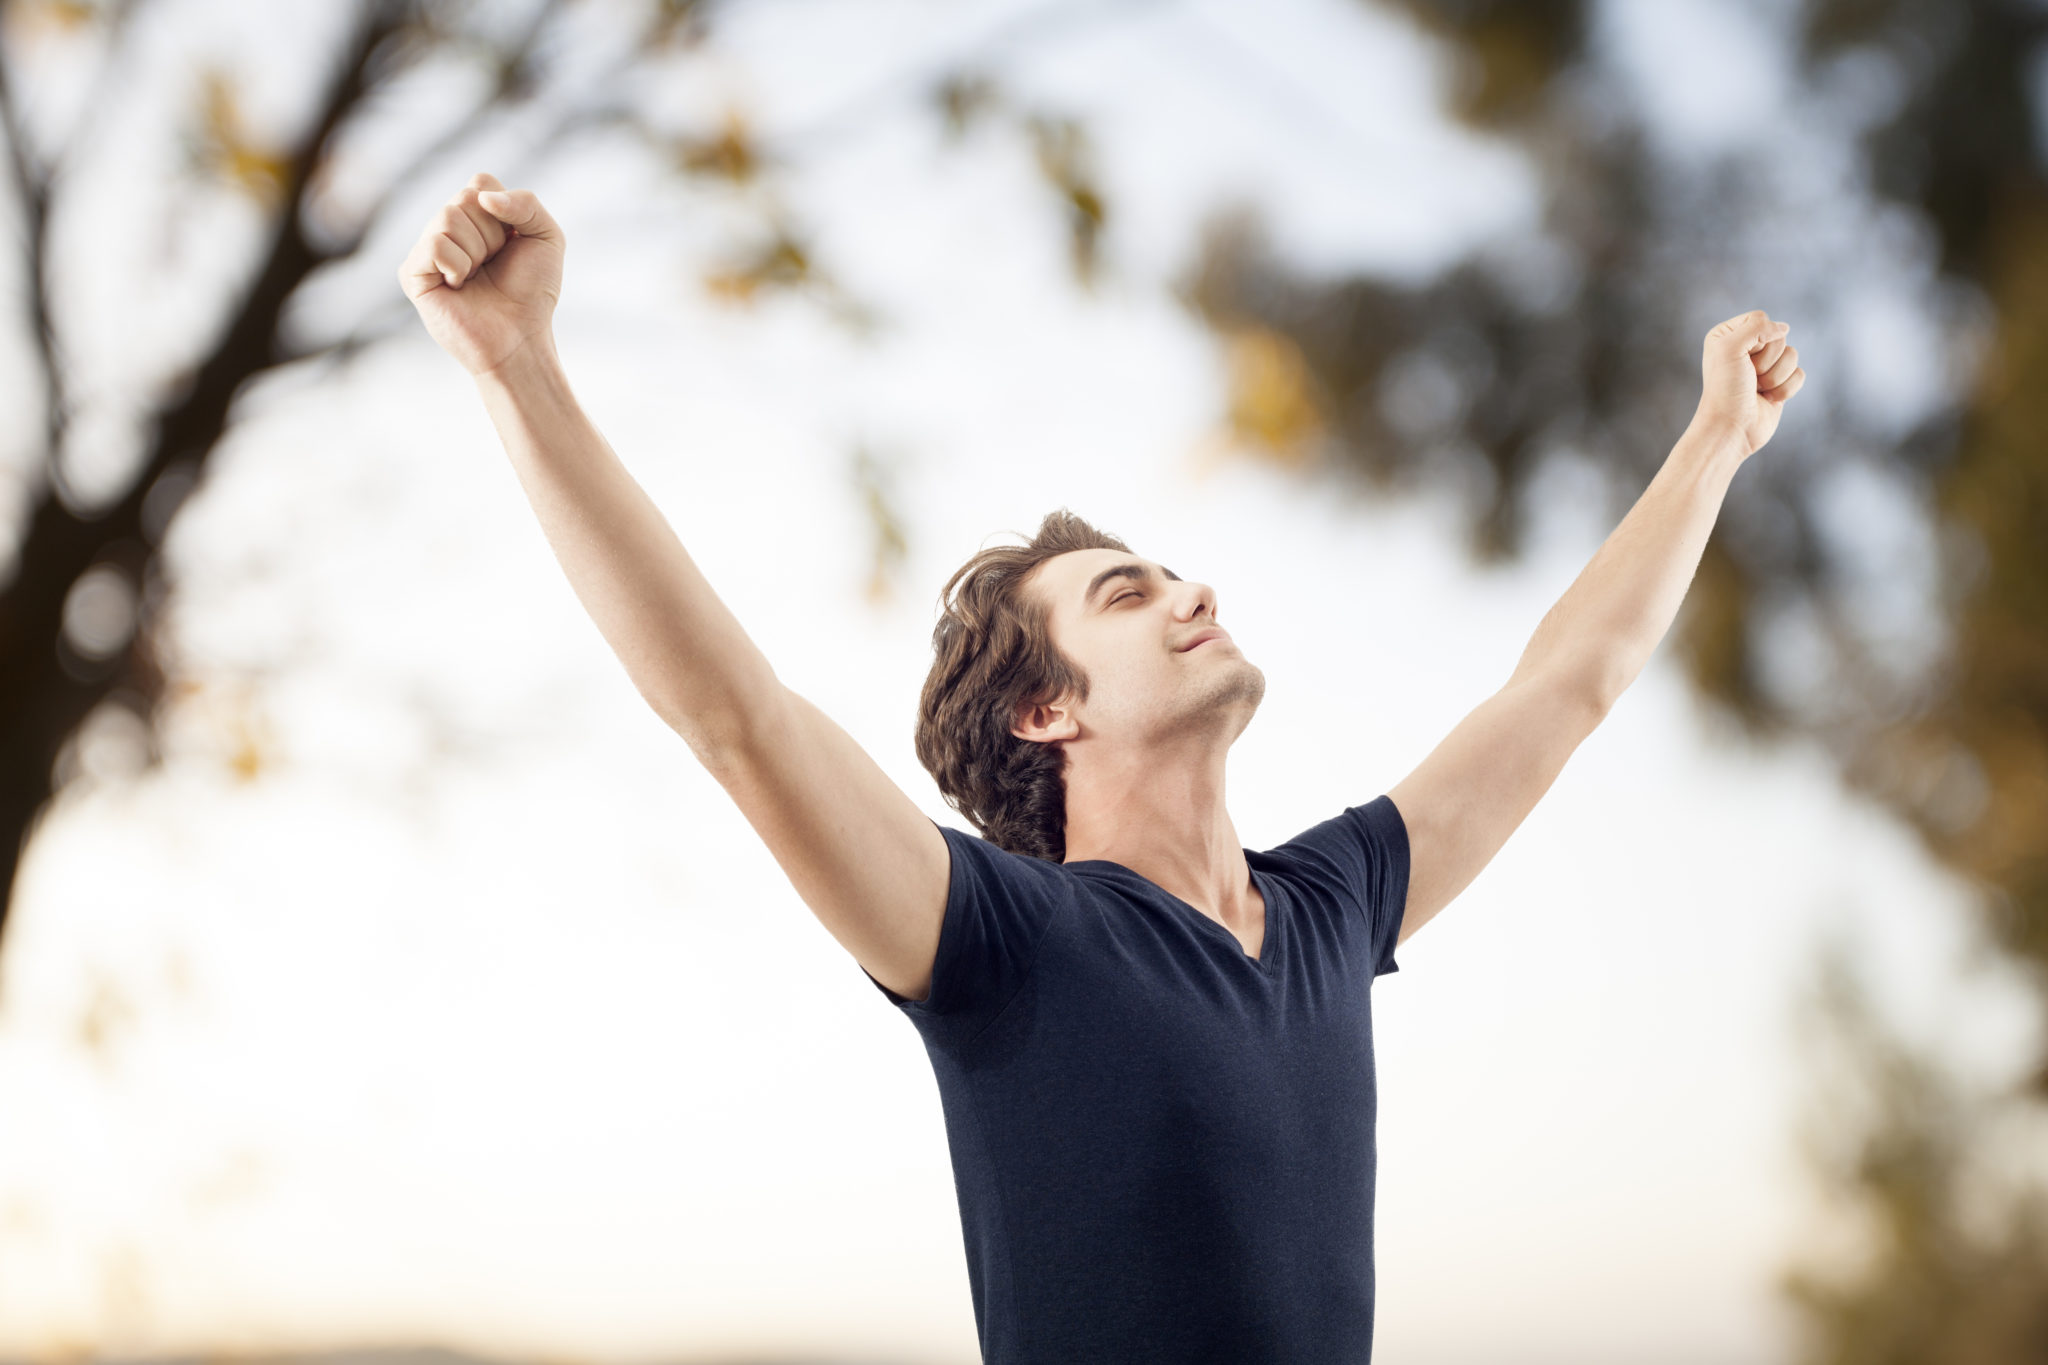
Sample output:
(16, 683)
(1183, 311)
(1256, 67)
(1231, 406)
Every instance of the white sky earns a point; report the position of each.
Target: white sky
(505, 1031)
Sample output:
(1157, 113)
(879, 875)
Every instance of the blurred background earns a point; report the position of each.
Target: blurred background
(378, 972)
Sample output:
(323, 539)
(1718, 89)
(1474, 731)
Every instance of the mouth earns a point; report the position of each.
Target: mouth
(1205, 639)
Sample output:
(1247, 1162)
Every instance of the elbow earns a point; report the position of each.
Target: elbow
(1590, 693)
(1592, 684)
(1604, 683)
(1600, 676)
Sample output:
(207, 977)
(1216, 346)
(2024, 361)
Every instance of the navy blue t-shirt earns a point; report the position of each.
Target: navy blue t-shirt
(1163, 1147)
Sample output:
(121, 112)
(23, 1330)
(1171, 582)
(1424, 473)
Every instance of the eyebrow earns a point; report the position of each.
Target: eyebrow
(1133, 571)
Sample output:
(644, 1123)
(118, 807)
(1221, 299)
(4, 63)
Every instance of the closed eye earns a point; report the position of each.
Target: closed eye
(1120, 597)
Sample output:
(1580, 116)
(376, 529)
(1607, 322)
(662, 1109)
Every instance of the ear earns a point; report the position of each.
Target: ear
(1044, 722)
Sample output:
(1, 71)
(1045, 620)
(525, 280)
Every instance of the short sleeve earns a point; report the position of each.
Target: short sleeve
(999, 906)
(1365, 848)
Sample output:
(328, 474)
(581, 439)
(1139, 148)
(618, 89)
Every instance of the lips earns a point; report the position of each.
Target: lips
(1202, 638)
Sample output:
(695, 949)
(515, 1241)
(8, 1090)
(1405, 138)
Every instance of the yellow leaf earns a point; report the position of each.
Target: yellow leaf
(782, 262)
(64, 15)
(1272, 395)
(228, 152)
(728, 155)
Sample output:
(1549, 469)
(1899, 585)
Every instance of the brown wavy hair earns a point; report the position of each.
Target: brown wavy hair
(992, 650)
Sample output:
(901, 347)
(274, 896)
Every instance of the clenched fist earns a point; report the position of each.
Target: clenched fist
(486, 273)
(1749, 375)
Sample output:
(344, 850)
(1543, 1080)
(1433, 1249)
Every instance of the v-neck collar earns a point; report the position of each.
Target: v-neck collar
(1268, 945)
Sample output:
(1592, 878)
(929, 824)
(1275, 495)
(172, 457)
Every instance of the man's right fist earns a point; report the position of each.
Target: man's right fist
(486, 273)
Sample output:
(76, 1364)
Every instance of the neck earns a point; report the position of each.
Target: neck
(1161, 814)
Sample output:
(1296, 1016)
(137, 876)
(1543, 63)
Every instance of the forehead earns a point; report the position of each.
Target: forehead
(1065, 578)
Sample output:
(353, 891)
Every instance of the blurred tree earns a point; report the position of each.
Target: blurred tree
(87, 586)
(82, 601)
(1583, 337)
(1899, 1144)
(1580, 337)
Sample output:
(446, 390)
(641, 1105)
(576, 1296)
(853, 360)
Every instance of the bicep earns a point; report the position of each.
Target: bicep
(1477, 786)
(871, 866)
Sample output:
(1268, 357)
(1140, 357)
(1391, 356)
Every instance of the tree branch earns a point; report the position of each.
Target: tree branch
(119, 14)
(33, 190)
(511, 62)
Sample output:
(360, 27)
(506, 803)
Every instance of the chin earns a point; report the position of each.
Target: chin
(1240, 682)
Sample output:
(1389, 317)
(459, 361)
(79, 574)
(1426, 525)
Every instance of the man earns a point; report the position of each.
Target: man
(1153, 1046)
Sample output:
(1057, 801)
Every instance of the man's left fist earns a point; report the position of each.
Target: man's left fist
(1748, 375)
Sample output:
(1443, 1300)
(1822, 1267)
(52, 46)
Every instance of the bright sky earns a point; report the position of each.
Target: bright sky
(482, 1017)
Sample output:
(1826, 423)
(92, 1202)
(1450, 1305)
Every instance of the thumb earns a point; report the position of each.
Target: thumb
(521, 211)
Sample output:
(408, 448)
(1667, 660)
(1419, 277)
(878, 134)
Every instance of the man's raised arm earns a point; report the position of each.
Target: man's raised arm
(484, 276)
(682, 648)
(1476, 787)
(1609, 623)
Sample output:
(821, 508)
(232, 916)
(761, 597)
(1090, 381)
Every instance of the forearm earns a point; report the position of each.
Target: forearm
(682, 648)
(1609, 622)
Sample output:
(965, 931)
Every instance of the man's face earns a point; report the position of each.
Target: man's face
(1128, 623)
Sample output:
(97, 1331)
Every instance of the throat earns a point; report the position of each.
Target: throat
(1251, 934)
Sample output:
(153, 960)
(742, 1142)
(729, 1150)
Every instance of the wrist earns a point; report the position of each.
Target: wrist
(1717, 435)
(533, 361)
